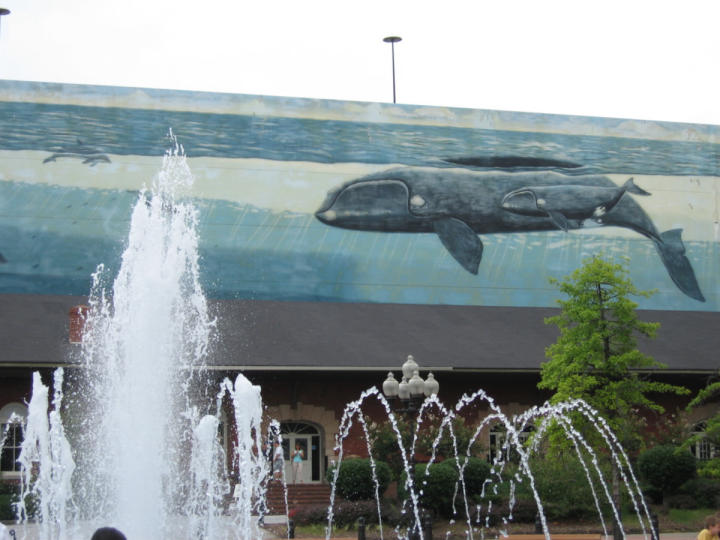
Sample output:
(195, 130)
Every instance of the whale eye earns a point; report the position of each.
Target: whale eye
(417, 201)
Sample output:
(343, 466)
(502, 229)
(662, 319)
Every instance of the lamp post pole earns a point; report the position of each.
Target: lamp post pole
(5, 11)
(406, 397)
(392, 40)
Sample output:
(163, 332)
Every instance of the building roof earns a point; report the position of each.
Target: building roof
(355, 336)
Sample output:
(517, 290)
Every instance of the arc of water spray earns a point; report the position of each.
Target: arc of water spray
(513, 427)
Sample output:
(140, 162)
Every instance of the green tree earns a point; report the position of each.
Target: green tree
(711, 431)
(596, 356)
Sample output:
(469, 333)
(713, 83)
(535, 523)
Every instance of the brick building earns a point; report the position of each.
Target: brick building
(315, 304)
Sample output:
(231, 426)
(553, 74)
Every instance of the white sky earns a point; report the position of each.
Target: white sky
(646, 59)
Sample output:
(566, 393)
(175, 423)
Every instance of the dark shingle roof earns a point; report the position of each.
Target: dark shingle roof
(322, 335)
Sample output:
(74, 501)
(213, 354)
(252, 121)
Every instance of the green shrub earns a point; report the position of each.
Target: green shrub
(682, 501)
(7, 510)
(665, 468)
(709, 468)
(696, 493)
(437, 486)
(355, 480)
(475, 473)
(562, 486)
(8, 496)
(524, 511)
(308, 515)
(345, 513)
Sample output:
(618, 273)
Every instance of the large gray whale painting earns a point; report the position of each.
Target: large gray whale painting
(458, 204)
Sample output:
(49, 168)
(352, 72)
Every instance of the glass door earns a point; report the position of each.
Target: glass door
(297, 450)
(306, 438)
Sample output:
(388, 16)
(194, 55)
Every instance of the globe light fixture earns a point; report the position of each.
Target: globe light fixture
(391, 386)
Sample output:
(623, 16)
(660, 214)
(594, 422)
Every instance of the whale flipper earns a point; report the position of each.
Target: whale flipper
(461, 241)
(672, 252)
(559, 219)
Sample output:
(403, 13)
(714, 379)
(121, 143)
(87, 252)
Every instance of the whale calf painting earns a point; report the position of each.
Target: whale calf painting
(458, 205)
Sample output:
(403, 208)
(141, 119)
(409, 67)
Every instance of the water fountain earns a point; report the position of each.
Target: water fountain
(477, 518)
(146, 420)
(145, 423)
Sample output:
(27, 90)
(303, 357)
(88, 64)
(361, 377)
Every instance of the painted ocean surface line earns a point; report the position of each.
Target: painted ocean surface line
(46, 127)
(70, 171)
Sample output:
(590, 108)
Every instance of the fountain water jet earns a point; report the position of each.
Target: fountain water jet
(540, 417)
(140, 350)
(150, 462)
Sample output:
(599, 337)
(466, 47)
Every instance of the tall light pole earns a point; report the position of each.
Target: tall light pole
(406, 397)
(392, 40)
(4, 11)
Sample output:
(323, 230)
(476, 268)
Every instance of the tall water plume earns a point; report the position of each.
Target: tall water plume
(144, 342)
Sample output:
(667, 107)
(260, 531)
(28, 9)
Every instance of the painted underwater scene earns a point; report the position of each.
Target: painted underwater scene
(429, 205)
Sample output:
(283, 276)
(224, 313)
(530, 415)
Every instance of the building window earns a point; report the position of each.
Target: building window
(12, 417)
(498, 435)
(703, 449)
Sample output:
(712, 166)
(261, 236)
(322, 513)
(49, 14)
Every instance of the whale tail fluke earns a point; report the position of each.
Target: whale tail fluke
(630, 187)
(672, 252)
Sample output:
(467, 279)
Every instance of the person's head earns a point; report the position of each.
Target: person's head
(108, 533)
(297, 446)
(712, 524)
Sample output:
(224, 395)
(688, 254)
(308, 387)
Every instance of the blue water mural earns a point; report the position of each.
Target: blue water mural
(60, 214)
(141, 132)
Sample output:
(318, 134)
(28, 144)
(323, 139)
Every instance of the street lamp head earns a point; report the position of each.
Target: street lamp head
(417, 385)
(404, 389)
(409, 367)
(432, 387)
(392, 39)
(390, 386)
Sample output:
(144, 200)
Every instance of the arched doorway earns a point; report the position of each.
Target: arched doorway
(308, 437)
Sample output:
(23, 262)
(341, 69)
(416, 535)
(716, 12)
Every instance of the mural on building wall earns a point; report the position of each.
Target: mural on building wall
(459, 205)
(339, 201)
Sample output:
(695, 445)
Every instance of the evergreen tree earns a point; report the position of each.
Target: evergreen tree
(596, 356)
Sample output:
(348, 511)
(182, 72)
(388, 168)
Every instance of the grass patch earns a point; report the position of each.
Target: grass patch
(690, 519)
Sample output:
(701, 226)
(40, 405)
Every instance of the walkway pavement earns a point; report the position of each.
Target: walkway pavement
(30, 532)
(663, 536)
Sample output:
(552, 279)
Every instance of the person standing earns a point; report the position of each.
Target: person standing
(297, 463)
(711, 530)
(278, 461)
